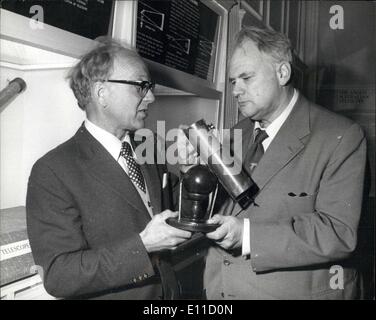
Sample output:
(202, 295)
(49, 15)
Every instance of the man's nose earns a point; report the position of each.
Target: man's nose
(237, 89)
(150, 97)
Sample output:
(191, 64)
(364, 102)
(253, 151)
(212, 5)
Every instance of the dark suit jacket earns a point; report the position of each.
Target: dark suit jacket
(84, 217)
(296, 240)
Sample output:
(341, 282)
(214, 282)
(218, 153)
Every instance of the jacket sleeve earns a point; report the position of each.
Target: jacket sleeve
(70, 266)
(330, 232)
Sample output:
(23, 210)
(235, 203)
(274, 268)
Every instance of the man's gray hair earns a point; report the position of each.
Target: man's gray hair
(96, 65)
(272, 43)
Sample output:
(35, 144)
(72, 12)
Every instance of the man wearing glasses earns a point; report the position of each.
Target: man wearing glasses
(94, 215)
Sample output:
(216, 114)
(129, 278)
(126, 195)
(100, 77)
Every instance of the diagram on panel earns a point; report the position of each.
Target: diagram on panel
(181, 44)
(152, 17)
(206, 47)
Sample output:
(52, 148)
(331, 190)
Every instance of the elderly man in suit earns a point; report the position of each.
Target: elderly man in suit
(295, 240)
(93, 213)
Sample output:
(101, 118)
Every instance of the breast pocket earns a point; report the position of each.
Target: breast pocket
(300, 204)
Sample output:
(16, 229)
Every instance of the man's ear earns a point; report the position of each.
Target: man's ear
(284, 72)
(99, 93)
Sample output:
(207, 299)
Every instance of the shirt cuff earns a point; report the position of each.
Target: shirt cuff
(246, 244)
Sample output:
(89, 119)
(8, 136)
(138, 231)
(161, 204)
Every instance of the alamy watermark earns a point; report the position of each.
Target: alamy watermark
(37, 20)
(337, 20)
(181, 150)
(336, 280)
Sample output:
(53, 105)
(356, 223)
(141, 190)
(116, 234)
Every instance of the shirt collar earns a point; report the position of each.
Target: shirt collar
(274, 127)
(111, 143)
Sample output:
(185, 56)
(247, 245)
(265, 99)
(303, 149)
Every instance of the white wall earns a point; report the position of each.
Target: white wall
(40, 118)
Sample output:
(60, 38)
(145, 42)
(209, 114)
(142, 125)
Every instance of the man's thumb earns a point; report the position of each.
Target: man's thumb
(215, 219)
(168, 214)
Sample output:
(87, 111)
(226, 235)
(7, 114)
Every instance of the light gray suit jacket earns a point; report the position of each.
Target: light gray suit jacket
(296, 240)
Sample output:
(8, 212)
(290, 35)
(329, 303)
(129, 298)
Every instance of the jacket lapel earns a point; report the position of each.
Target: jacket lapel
(286, 145)
(102, 166)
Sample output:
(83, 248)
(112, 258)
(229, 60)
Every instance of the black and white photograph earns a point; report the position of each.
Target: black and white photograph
(200, 151)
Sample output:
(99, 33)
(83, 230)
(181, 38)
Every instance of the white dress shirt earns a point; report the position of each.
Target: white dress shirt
(272, 131)
(113, 145)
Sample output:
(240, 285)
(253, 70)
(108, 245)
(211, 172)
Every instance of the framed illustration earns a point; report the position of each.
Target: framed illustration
(89, 19)
(189, 44)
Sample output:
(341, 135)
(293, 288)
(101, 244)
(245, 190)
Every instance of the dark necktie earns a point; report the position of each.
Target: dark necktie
(134, 170)
(256, 150)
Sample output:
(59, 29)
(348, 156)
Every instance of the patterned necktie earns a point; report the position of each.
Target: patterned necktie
(134, 170)
(256, 151)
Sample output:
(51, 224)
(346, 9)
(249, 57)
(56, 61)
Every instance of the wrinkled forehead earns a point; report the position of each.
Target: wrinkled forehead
(247, 53)
(130, 67)
(247, 48)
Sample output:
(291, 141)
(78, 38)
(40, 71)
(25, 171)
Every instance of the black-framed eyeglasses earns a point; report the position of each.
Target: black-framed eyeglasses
(144, 85)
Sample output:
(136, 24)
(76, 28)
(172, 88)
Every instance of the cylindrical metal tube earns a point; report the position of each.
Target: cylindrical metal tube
(228, 169)
(14, 87)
